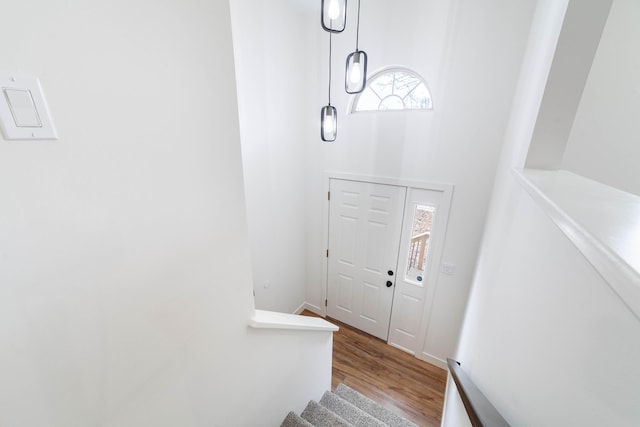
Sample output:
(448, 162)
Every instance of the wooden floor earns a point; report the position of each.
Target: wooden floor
(395, 379)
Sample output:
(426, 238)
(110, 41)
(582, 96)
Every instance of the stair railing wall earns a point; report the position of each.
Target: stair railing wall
(479, 409)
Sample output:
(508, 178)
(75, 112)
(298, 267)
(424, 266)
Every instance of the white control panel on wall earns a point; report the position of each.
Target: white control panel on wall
(23, 110)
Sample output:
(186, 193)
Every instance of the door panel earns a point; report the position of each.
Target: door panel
(417, 268)
(365, 223)
(345, 293)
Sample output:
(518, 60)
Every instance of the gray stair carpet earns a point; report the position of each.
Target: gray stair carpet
(294, 420)
(350, 413)
(320, 416)
(345, 408)
(372, 408)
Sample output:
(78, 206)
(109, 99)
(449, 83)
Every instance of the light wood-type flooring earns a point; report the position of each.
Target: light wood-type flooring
(395, 379)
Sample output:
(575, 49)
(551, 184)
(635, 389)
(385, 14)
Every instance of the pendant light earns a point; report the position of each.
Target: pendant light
(328, 114)
(334, 15)
(356, 74)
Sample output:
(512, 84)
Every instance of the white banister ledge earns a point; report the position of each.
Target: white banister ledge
(601, 221)
(273, 320)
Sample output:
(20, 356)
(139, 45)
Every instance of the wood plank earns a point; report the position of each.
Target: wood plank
(395, 379)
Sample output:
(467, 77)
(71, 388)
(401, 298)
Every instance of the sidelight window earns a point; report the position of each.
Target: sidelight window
(423, 216)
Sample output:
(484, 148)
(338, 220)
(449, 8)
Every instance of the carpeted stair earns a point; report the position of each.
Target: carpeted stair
(345, 408)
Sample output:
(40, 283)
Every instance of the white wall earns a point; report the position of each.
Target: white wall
(274, 51)
(125, 286)
(548, 341)
(544, 337)
(576, 47)
(603, 144)
(469, 52)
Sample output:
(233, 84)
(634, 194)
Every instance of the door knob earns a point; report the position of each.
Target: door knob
(389, 283)
(390, 273)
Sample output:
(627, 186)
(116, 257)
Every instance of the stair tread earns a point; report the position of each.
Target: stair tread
(295, 420)
(348, 411)
(320, 416)
(345, 407)
(372, 408)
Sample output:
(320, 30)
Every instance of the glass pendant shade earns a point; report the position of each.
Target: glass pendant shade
(334, 15)
(328, 123)
(356, 74)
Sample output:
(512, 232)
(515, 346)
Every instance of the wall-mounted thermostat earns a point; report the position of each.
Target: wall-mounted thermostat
(23, 110)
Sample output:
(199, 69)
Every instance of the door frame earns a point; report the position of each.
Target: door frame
(443, 213)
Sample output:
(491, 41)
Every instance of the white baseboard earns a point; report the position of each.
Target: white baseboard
(434, 360)
(399, 347)
(312, 308)
(300, 309)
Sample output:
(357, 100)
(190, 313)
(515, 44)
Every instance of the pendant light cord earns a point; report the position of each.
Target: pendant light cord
(358, 26)
(329, 68)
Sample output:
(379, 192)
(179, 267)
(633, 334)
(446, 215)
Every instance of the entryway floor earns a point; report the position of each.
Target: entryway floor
(395, 379)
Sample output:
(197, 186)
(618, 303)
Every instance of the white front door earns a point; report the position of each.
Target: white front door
(365, 223)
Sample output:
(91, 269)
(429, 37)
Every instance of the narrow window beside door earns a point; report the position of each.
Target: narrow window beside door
(419, 247)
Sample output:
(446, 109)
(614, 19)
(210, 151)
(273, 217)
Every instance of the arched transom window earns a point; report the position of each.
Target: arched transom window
(393, 89)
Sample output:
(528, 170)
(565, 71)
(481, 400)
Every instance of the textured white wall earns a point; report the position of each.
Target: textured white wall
(540, 50)
(454, 413)
(539, 313)
(603, 144)
(576, 47)
(274, 51)
(125, 284)
(543, 315)
(470, 53)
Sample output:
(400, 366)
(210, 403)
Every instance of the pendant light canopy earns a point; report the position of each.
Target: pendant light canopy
(334, 15)
(329, 114)
(356, 73)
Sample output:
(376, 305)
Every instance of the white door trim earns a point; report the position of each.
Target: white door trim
(447, 197)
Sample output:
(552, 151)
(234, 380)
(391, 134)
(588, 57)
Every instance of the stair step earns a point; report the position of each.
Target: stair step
(320, 416)
(372, 408)
(294, 420)
(348, 411)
